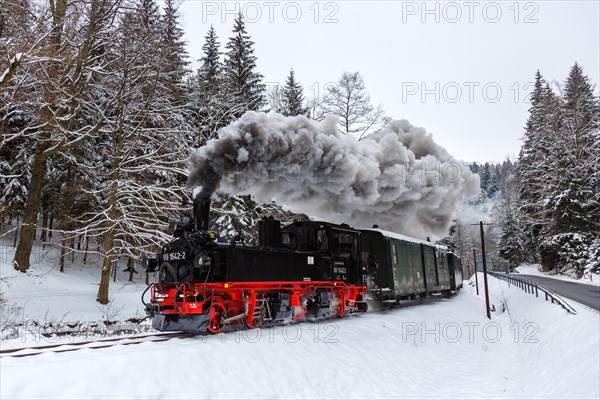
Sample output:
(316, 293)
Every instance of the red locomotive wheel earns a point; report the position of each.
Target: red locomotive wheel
(216, 316)
(256, 322)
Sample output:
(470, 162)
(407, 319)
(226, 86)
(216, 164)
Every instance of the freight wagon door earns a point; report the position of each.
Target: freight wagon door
(403, 278)
(373, 245)
(416, 266)
(431, 277)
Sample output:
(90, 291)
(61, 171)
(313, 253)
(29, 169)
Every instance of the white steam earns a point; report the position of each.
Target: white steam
(398, 178)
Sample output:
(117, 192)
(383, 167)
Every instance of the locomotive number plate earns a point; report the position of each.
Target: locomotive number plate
(174, 256)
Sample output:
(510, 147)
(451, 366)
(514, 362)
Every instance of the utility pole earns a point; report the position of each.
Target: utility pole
(475, 264)
(485, 284)
(484, 264)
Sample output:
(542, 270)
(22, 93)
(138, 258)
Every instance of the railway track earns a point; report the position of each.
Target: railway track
(93, 344)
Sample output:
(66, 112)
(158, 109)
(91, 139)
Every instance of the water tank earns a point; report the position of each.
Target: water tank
(269, 232)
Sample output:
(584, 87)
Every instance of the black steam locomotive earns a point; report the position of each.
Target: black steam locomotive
(305, 270)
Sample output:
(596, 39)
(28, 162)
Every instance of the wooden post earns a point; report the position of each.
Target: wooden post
(485, 283)
(476, 280)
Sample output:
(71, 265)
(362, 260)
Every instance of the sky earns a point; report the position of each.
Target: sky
(463, 70)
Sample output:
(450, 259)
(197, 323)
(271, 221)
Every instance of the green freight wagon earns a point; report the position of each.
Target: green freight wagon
(401, 267)
(455, 269)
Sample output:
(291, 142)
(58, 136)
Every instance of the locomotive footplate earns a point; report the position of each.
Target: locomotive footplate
(187, 323)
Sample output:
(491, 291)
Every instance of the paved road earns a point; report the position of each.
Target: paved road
(582, 293)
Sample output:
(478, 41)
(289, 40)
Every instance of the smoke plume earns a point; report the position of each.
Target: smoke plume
(398, 178)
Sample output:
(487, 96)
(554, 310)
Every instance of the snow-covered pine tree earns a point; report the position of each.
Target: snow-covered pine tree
(293, 98)
(232, 217)
(14, 192)
(533, 170)
(175, 56)
(574, 200)
(241, 77)
(512, 244)
(213, 105)
(571, 198)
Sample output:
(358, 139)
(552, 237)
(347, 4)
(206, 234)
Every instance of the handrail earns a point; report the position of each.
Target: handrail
(530, 286)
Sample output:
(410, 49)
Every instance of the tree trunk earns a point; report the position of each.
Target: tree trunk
(73, 250)
(63, 243)
(34, 198)
(44, 236)
(130, 268)
(16, 232)
(108, 243)
(106, 265)
(85, 253)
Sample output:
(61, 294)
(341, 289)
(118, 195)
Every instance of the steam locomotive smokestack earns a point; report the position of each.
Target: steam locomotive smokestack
(210, 180)
(201, 212)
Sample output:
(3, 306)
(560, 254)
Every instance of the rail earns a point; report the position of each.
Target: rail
(534, 288)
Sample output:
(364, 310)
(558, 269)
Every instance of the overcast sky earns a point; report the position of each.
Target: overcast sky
(462, 70)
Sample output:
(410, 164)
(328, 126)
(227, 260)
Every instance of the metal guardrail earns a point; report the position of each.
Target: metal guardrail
(534, 288)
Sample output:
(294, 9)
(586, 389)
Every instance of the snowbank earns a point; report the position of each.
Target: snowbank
(44, 300)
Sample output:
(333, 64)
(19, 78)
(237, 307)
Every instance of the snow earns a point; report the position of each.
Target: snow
(17, 58)
(445, 348)
(398, 236)
(533, 269)
(56, 301)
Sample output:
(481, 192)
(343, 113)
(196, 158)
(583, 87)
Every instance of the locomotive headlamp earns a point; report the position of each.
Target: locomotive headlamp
(149, 263)
(212, 235)
(202, 261)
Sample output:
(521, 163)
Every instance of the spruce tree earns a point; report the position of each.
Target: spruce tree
(293, 98)
(213, 104)
(571, 196)
(14, 194)
(532, 166)
(512, 243)
(175, 54)
(209, 73)
(240, 70)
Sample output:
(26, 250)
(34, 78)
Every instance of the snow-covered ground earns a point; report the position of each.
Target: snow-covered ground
(447, 348)
(534, 269)
(46, 300)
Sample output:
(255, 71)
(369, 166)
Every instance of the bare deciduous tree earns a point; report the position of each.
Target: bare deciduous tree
(349, 100)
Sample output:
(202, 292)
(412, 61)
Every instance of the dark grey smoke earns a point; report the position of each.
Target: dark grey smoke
(210, 180)
(398, 178)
